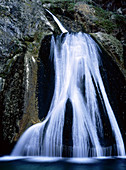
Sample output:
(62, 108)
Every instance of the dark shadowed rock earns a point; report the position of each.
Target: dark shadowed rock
(23, 25)
(25, 28)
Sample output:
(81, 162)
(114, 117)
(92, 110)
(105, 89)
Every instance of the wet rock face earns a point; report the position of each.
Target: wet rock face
(19, 21)
(112, 45)
(13, 93)
(24, 28)
(23, 25)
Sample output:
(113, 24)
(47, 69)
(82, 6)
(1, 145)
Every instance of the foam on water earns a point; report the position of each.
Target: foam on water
(77, 79)
(76, 62)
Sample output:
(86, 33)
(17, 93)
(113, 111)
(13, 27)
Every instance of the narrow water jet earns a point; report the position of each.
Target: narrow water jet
(77, 82)
(58, 22)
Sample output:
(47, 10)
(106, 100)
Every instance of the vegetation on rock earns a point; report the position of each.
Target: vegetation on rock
(23, 26)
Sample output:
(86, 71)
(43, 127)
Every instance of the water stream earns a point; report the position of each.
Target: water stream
(77, 80)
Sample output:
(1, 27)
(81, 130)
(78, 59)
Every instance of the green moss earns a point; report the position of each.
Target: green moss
(58, 6)
(10, 62)
(33, 44)
(27, 4)
(108, 20)
(102, 13)
(7, 68)
(104, 20)
(2, 75)
(106, 24)
(120, 21)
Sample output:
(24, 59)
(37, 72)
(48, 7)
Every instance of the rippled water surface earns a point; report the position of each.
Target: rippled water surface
(41, 163)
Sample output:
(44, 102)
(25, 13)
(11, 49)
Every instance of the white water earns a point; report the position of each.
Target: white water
(76, 62)
(58, 22)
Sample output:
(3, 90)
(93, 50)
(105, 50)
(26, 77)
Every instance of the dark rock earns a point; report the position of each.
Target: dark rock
(112, 5)
(24, 28)
(23, 25)
(112, 45)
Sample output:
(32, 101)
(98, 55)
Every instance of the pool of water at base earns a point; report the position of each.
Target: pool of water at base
(45, 163)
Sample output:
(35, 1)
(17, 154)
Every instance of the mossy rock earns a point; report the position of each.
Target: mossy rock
(111, 44)
(109, 21)
(113, 47)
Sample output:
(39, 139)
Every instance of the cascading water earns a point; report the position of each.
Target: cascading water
(76, 62)
(77, 79)
(58, 22)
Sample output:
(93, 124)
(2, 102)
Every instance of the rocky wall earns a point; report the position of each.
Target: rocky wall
(24, 27)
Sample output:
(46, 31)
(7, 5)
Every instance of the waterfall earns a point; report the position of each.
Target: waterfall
(78, 82)
(77, 79)
(58, 22)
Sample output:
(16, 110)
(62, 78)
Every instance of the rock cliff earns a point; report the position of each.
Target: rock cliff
(25, 29)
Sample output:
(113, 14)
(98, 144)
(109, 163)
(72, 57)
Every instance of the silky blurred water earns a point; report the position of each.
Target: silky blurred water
(63, 164)
(78, 83)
